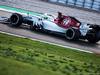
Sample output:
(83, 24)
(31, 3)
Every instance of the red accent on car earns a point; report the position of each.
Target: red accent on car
(66, 21)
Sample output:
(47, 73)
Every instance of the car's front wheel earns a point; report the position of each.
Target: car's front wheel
(16, 19)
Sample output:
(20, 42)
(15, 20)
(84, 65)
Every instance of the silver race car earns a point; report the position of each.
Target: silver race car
(68, 26)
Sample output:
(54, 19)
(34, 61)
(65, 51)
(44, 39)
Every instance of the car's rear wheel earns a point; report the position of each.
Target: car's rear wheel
(72, 34)
(16, 19)
(93, 38)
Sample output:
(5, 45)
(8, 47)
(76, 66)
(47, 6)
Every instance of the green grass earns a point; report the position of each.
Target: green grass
(51, 58)
(13, 67)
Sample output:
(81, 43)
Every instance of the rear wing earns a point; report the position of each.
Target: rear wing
(94, 26)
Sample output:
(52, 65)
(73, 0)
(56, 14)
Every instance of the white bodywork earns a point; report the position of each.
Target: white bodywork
(84, 29)
(37, 20)
(49, 24)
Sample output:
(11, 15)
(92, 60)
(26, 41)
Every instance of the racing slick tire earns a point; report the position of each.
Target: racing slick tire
(72, 34)
(16, 19)
(93, 38)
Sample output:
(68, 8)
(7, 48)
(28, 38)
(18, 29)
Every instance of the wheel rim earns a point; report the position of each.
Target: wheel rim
(69, 34)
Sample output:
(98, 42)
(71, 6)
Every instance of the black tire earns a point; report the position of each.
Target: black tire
(16, 19)
(72, 34)
(93, 38)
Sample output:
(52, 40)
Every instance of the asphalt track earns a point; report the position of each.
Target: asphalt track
(39, 35)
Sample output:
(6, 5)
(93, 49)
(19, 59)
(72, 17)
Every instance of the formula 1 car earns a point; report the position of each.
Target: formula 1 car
(68, 26)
